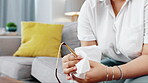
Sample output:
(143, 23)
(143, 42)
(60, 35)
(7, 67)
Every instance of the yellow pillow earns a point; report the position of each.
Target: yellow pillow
(40, 39)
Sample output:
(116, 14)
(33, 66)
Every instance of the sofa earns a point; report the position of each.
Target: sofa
(35, 69)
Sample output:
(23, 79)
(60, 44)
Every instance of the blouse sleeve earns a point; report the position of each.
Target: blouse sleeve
(146, 25)
(85, 32)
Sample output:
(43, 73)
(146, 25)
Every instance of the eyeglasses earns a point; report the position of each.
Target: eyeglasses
(59, 55)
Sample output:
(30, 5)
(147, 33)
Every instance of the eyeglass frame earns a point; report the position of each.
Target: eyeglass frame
(59, 55)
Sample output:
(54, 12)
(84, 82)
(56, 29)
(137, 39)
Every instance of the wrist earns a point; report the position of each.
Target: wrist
(104, 74)
(112, 73)
(109, 75)
(117, 73)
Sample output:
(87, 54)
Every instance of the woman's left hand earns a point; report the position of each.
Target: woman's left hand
(97, 73)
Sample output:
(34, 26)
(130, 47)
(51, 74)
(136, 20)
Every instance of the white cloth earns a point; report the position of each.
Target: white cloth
(88, 53)
(121, 37)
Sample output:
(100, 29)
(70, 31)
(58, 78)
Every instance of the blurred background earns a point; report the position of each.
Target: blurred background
(45, 11)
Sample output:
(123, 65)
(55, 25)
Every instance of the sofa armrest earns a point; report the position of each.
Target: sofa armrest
(9, 45)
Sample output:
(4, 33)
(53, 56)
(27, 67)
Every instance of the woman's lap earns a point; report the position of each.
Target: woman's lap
(142, 79)
(111, 62)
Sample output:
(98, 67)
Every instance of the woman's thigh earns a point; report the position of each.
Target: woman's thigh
(142, 79)
(111, 62)
(114, 81)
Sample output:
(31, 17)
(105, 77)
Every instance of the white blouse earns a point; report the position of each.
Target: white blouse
(120, 37)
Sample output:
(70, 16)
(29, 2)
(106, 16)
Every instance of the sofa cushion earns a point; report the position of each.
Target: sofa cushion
(70, 37)
(16, 67)
(9, 45)
(43, 68)
(39, 39)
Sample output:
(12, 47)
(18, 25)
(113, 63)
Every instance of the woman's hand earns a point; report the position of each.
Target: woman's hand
(69, 62)
(97, 73)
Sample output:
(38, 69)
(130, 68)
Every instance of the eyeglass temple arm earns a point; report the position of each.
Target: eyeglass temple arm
(59, 56)
(70, 49)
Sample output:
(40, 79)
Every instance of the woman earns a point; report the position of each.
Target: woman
(120, 28)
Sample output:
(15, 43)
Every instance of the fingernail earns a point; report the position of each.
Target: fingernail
(72, 56)
(71, 78)
(75, 68)
(79, 57)
(68, 78)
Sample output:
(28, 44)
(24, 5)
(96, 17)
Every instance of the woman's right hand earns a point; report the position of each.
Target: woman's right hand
(69, 62)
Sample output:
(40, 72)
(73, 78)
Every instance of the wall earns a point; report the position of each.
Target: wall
(43, 11)
(58, 11)
(49, 11)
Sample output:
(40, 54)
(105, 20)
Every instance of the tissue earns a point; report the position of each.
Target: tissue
(88, 53)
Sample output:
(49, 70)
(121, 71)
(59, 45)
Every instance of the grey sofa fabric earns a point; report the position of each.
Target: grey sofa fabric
(16, 67)
(9, 45)
(43, 68)
(70, 37)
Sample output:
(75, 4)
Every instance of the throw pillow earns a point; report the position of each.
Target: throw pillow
(40, 39)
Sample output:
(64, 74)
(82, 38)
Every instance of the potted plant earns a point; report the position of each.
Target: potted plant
(11, 27)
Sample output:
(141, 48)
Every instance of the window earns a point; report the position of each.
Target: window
(16, 11)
